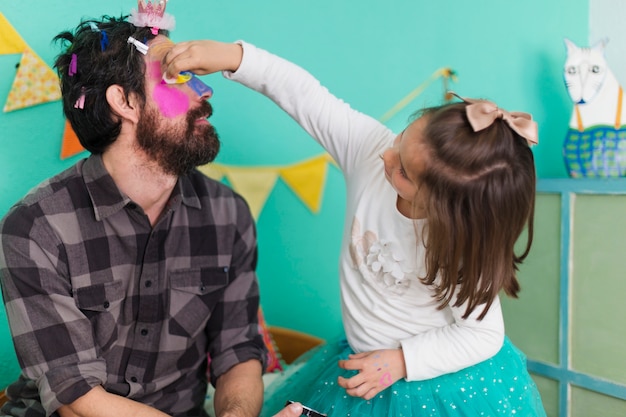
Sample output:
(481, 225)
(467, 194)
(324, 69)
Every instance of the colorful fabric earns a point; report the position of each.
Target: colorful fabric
(96, 295)
(499, 386)
(35, 83)
(273, 355)
(598, 151)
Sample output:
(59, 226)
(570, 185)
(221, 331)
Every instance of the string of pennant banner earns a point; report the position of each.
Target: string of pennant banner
(36, 83)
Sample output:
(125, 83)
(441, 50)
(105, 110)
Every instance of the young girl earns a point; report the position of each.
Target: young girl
(432, 218)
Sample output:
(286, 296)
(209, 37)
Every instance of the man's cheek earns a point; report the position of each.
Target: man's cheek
(153, 69)
(170, 101)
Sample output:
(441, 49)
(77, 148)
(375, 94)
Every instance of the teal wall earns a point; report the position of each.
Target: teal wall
(371, 53)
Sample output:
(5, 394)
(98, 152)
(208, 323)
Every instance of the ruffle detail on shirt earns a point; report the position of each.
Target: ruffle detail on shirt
(379, 264)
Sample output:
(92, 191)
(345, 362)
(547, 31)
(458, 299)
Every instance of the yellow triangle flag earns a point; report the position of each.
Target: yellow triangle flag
(307, 180)
(35, 83)
(10, 41)
(254, 184)
(211, 170)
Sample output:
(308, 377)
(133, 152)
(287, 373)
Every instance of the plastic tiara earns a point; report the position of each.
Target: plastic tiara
(151, 13)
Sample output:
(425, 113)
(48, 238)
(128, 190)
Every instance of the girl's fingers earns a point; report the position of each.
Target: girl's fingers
(359, 355)
(181, 58)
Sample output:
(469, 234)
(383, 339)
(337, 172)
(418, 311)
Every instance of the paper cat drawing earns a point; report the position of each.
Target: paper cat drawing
(595, 145)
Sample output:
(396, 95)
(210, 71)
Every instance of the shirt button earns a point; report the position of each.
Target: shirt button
(106, 304)
(131, 206)
(144, 332)
(148, 284)
(133, 379)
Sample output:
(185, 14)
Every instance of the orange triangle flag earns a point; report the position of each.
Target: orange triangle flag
(307, 180)
(71, 145)
(10, 41)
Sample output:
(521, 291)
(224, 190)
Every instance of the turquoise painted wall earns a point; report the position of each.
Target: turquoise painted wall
(370, 53)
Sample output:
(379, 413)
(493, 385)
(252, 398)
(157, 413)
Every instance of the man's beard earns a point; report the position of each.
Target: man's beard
(178, 149)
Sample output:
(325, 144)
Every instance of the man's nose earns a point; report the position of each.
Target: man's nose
(202, 90)
(206, 96)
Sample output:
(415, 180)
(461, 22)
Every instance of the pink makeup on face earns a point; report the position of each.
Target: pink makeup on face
(170, 100)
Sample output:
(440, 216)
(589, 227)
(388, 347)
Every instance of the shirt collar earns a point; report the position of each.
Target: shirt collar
(107, 199)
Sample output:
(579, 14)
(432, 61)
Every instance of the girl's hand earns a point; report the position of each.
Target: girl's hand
(202, 57)
(377, 371)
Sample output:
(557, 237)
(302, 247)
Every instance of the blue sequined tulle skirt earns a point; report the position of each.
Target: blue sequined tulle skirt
(500, 386)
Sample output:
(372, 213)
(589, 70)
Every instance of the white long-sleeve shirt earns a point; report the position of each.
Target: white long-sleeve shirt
(384, 305)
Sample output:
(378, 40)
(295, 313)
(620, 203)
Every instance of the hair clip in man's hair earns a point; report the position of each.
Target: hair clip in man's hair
(104, 39)
(141, 47)
(151, 13)
(73, 68)
(80, 102)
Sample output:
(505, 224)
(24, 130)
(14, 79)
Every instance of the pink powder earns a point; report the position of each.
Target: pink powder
(171, 101)
(153, 69)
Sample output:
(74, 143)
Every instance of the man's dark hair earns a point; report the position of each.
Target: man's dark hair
(103, 58)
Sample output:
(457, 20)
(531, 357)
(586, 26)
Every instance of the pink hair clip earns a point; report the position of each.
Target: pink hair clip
(73, 66)
(80, 102)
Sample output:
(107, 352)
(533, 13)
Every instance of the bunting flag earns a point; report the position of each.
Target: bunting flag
(35, 83)
(306, 179)
(71, 145)
(213, 170)
(10, 41)
(254, 184)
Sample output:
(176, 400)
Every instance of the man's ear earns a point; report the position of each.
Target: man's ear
(126, 107)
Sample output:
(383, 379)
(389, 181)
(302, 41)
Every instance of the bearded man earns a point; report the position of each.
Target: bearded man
(123, 272)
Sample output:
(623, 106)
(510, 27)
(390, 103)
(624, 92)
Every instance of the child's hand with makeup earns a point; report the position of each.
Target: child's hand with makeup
(377, 371)
(202, 57)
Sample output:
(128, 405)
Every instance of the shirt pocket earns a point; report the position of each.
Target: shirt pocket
(193, 295)
(102, 305)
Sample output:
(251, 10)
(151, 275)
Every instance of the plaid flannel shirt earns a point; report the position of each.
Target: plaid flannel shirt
(95, 295)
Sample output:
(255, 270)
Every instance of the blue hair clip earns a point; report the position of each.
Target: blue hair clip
(104, 41)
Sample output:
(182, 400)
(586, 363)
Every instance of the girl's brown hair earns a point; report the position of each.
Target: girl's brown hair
(481, 195)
